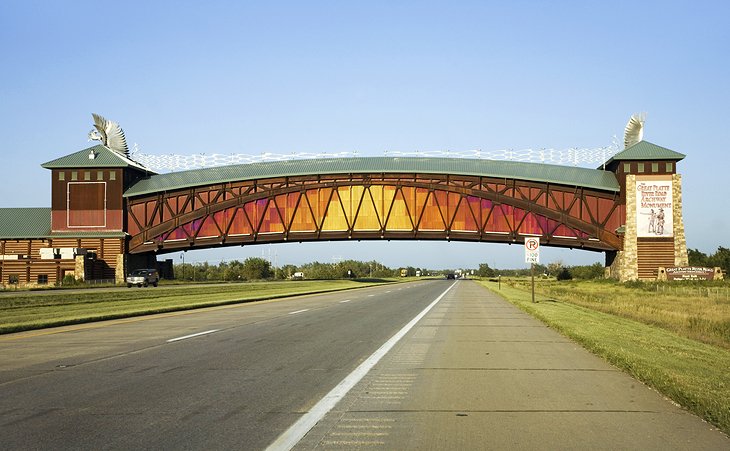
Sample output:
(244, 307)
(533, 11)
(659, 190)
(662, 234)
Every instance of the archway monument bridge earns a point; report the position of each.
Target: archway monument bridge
(629, 208)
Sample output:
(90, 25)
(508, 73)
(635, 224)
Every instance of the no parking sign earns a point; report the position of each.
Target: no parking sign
(532, 250)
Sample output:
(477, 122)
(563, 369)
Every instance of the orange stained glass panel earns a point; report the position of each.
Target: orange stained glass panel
(191, 228)
(367, 217)
(301, 219)
(590, 207)
(464, 218)
(208, 228)
(486, 206)
(335, 218)
(323, 199)
(411, 199)
(576, 209)
(349, 201)
(222, 218)
(388, 197)
(253, 212)
(203, 196)
(137, 211)
(431, 218)
(541, 199)
(564, 231)
(529, 223)
(271, 221)
(452, 202)
(556, 201)
(501, 219)
(176, 234)
(312, 197)
(239, 223)
(399, 217)
(604, 208)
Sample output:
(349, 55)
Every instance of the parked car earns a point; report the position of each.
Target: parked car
(143, 277)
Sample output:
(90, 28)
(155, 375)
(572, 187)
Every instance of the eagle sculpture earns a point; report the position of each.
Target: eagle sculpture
(110, 134)
(634, 131)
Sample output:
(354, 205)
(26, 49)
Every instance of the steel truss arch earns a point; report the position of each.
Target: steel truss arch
(375, 206)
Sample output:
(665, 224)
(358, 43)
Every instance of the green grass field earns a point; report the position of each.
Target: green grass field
(689, 365)
(26, 310)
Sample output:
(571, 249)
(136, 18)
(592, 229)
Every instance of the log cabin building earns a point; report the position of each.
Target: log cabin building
(82, 235)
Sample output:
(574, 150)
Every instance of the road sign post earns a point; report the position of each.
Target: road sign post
(532, 256)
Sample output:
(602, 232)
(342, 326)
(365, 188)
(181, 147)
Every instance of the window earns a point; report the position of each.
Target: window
(42, 279)
(100, 175)
(87, 175)
(655, 167)
(13, 278)
(627, 167)
(74, 175)
(641, 168)
(112, 175)
(670, 167)
(61, 176)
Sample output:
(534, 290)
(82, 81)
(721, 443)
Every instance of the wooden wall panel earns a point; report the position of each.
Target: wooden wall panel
(654, 253)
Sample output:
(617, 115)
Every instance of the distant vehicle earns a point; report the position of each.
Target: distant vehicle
(450, 276)
(418, 273)
(143, 277)
(297, 276)
(404, 273)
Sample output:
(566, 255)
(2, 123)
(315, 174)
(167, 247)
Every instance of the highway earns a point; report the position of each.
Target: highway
(474, 372)
(124, 385)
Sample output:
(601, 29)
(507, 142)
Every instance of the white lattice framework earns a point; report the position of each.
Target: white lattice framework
(567, 157)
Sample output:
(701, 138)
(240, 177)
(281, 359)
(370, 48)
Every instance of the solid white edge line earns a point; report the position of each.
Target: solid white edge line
(192, 335)
(299, 311)
(289, 438)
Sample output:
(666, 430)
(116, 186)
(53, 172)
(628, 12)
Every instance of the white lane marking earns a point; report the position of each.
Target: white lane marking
(298, 430)
(371, 295)
(346, 300)
(299, 311)
(192, 335)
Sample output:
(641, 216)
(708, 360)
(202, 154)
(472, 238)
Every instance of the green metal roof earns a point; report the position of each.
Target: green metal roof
(563, 175)
(25, 222)
(644, 150)
(103, 158)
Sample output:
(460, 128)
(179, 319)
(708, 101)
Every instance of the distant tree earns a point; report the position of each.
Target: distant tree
(554, 268)
(317, 270)
(697, 258)
(594, 271)
(721, 258)
(255, 268)
(286, 271)
(485, 271)
(564, 274)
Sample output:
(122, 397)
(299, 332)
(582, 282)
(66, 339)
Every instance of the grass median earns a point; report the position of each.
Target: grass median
(692, 373)
(37, 310)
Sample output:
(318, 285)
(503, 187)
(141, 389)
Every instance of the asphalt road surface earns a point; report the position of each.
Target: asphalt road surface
(124, 385)
(473, 373)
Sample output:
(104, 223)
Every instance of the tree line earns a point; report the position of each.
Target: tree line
(555, 269)
(256, 268)
(720, 258)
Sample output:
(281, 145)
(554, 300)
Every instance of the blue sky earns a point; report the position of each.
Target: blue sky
(252, 77)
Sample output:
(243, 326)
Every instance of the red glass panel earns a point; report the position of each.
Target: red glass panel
(239, 223)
